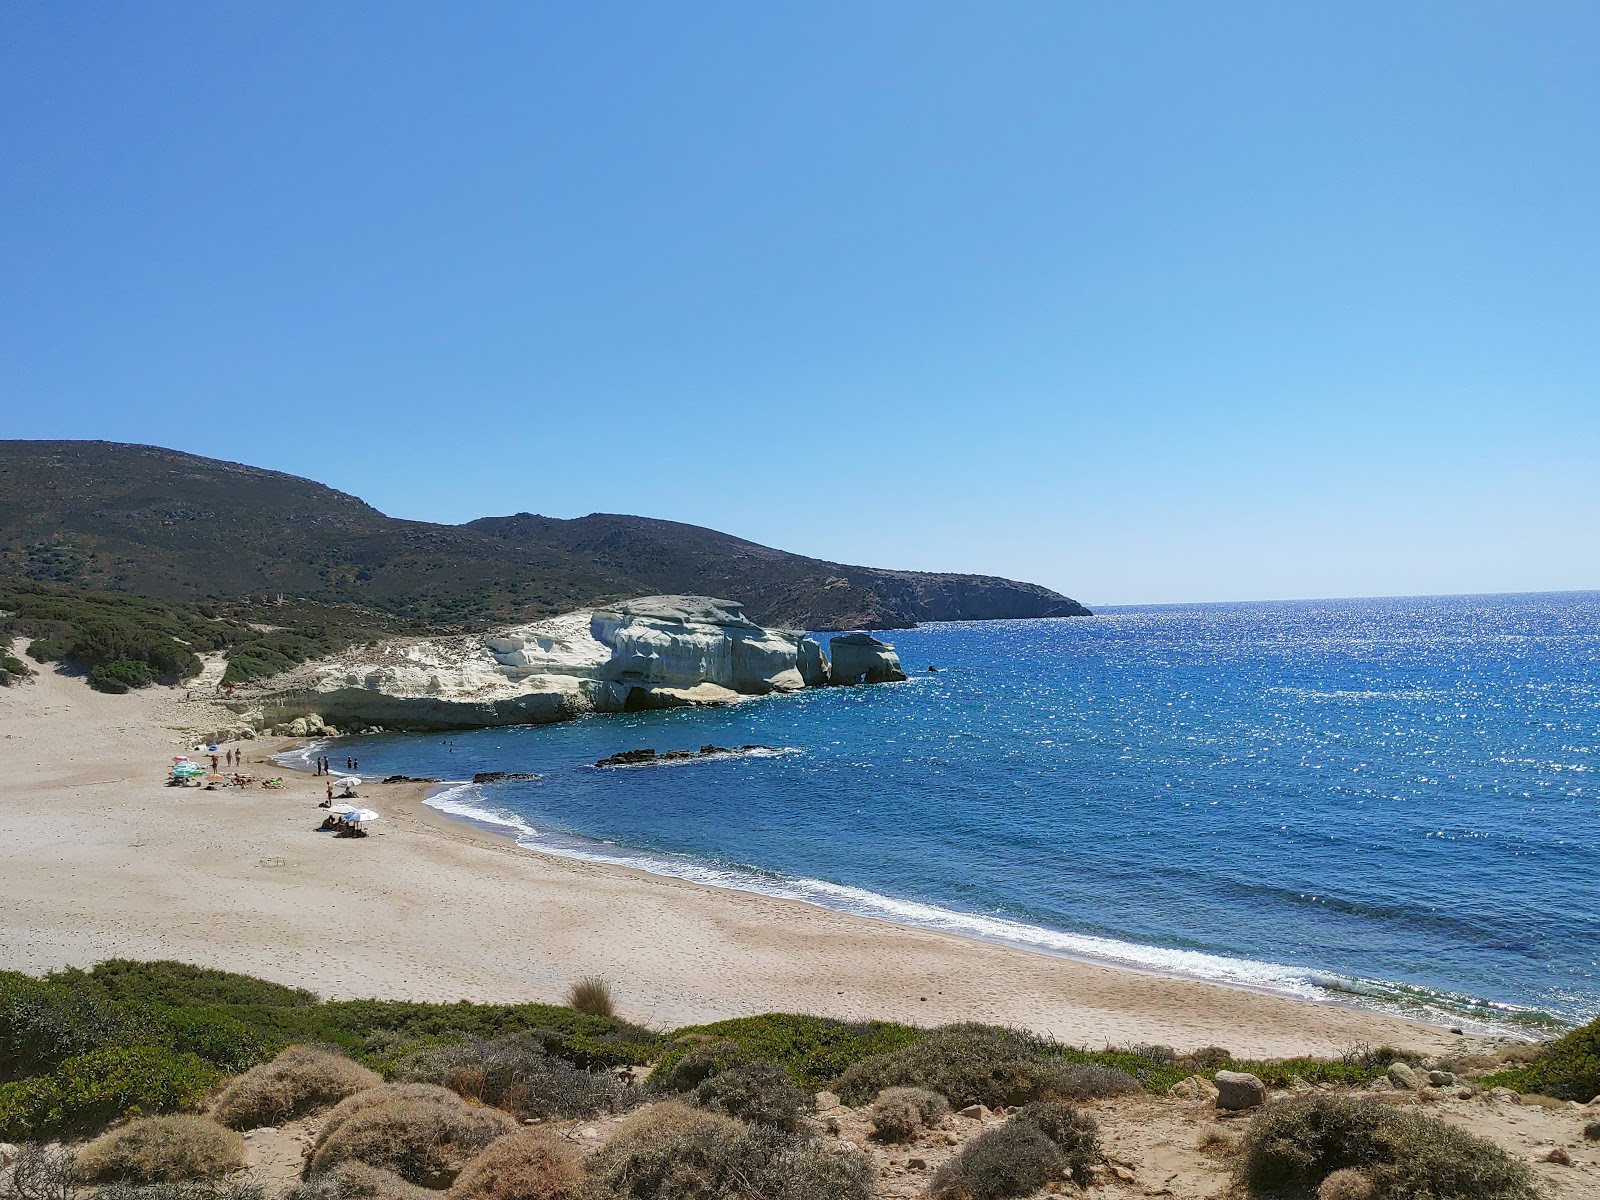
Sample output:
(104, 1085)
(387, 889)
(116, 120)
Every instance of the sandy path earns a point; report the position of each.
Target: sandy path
(98, 859)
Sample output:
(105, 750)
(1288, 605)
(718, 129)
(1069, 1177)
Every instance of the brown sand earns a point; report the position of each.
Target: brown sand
(99, 859)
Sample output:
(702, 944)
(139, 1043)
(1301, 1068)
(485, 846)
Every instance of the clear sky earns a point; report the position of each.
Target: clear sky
(1146, 302)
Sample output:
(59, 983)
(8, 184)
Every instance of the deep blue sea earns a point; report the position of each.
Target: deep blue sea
(1389, 802)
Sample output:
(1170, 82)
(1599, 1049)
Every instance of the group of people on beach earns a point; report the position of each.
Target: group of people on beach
(234, 758)
(325, 765)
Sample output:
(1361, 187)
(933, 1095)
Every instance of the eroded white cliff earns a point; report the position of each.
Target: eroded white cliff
(655, 652)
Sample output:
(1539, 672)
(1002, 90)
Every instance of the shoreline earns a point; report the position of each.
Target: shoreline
(98, 859)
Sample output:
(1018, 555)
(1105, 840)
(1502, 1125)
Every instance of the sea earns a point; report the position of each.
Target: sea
(1389, 803)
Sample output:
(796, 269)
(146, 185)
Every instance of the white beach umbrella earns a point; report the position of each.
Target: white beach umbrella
(343, 810)
(350, 781)
(362, 815)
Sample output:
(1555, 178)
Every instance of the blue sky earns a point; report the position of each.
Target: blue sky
(1147, 302)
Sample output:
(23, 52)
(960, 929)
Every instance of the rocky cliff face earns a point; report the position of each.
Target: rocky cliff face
(656, 652)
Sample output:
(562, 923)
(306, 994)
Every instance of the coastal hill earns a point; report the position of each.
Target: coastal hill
(155, 522)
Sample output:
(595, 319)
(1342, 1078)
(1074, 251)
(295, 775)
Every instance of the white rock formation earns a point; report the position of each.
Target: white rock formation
(656, 652)
(860, 656)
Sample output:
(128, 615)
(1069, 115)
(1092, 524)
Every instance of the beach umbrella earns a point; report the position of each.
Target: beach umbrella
(350, 781)
(362, 815)
(343, 810)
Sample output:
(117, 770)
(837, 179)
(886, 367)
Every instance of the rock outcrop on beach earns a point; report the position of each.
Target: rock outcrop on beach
(654, 652)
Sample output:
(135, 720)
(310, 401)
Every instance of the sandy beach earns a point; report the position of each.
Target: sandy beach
(99, 859)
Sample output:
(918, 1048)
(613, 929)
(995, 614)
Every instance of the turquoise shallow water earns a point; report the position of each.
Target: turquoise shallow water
(1390, 802)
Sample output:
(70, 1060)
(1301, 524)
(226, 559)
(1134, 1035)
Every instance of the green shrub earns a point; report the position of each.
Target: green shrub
(516, 1074)
(121, 675)
(46, 650)
(424, 1135)
(1076, 1134)
(179, 985)
(1568, 1068)
(900, 1113)
(88, 1090)
(1013, 1160)
(686, 1071)
(1295, 1144)
(44, 1022)
(170, 1149)
(673, 1152)
(299, 1080)
(814, 1050)
(983, 1064)
(532, 1165)
(760, 1093)
(13, 668)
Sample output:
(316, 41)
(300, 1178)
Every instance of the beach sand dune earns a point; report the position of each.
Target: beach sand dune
(99, 859)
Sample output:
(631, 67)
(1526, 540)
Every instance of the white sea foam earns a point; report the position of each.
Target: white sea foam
(467, 800)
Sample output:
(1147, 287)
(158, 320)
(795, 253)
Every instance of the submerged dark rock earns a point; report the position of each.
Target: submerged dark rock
(501, 776)
(410, 779)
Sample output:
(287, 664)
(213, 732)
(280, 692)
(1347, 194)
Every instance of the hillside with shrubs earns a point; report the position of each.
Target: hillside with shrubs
(160, 1081)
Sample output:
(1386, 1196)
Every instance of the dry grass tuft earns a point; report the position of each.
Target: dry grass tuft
(900, 1113)
(171, 1149)
(1218, 1144)
(532, 1165)
(1076, 1134)
(592, 995)
(424, 1134)
(298, 1081)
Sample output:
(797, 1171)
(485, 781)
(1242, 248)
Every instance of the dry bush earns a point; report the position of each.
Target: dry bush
(1076, 1134)
(43, 1172)
(162, 1150)
(358, 1181)
(900, 1113)
(1591, 1131)
(1348, 1184)
(1083, 1081)
(300, 1079)
(237, 1188)
(531, 1165)
(1210, 1057)
(592, 995)
(1218, 1144)
(1295, 1145)
(423, 1134)
(674, 1152)
(516, 1074)
(761, 1093)
(1013, 1160)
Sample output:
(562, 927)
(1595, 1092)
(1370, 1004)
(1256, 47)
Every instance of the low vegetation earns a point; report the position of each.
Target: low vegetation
(1567, 1068)
(1076, 1134)
(519, 1074)
(814, 1050)
(900, 1113)
(171, 1149)
(984, 1064)
(761, 1093)
(1013, 1160)
(358, 1181)
(532, 1165)
(1294, 1145)
(674, 1152)
(124, 642)
(423, 1134)
(299, 1080)
(79, 1048)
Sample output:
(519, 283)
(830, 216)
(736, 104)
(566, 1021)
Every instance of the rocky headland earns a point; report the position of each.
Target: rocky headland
(648, 653)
